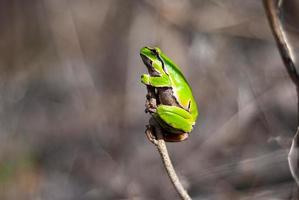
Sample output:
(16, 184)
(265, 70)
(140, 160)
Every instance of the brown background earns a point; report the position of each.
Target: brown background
(71, 102)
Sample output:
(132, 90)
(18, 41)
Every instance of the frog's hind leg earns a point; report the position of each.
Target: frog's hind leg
(175, 117)
(153, 127)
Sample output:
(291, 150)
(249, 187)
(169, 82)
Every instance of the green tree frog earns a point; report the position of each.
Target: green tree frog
(176, 110)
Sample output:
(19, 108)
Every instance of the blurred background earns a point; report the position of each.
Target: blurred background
(72, 105)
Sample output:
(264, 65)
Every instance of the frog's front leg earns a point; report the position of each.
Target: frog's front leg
(156, 81)
(175, 117)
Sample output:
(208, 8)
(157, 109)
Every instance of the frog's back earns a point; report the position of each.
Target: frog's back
(181, 86)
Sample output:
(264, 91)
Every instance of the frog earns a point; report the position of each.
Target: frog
(176, 109)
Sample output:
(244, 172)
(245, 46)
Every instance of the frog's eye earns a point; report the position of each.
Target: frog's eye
(156, 51)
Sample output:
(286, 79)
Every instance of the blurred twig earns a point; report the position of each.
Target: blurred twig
(271, 8)
(273, 14)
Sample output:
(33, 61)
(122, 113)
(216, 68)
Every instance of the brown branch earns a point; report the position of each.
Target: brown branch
(273, 13)
(272, 8)
(162, 149)
(155, 135)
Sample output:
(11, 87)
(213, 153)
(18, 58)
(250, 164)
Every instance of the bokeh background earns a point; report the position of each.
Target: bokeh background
(72, 115)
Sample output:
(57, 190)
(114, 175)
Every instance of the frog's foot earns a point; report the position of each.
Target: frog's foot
(145, 79)
(150, 110)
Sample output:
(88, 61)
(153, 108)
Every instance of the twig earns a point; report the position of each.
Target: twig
(293, 158)
(272, 11)
(279, 34)
(155, 135)
(273, 14)
(162, 149)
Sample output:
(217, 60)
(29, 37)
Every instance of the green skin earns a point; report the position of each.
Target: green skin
(179, 118)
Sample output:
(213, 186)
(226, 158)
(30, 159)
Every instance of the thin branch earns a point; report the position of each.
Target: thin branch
(293, 158)
(162, 149)
(272, 11)
(279, 34)
(155, 135)
(272, 8)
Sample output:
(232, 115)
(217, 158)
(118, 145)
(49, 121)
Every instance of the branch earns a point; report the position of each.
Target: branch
(155, 135)
(293, 158)
(162, 149)
(273, 13)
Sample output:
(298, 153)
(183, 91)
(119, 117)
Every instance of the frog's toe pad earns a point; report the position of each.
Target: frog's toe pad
(145, 79)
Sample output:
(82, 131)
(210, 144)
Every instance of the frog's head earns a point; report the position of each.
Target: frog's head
(151, 57)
